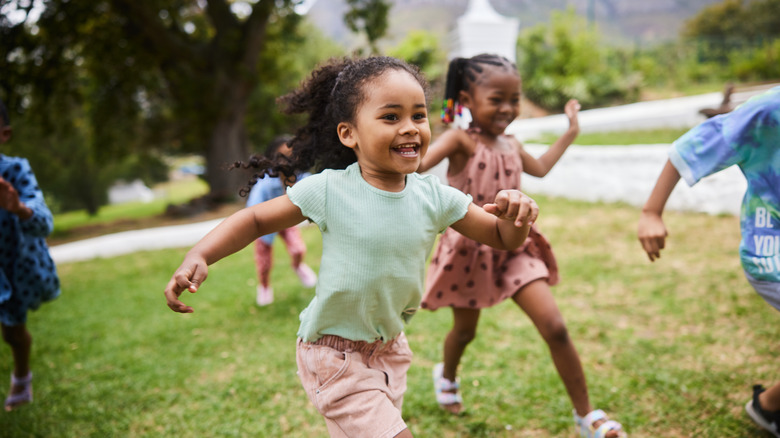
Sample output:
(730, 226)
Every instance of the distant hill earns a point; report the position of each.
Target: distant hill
(644, 22)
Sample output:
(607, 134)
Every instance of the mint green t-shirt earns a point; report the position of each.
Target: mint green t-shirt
(374, 247)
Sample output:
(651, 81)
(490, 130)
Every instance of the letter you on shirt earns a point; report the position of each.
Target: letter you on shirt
(766, 245)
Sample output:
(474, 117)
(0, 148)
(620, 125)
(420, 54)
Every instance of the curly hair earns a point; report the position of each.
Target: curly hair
(273, 147)
(462, 74)
(332, 94)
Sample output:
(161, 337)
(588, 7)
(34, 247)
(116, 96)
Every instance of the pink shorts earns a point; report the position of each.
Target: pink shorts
(357, 386)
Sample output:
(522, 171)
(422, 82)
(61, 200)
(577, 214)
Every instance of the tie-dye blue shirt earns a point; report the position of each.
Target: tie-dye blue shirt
(749, 137)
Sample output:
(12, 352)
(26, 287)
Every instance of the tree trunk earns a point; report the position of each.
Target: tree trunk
(226, 145)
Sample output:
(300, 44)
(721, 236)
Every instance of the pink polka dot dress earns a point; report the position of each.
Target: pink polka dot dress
(467, 274)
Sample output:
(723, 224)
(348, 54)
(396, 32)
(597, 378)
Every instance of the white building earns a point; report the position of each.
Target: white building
(483, 30)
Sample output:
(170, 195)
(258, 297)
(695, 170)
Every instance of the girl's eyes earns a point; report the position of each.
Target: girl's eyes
(499, 101)
(394, 117)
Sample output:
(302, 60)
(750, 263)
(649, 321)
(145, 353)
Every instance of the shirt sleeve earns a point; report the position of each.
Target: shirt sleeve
(41, 223)
(723, 140)
(454, 205)
(309, 194)
(702, 151)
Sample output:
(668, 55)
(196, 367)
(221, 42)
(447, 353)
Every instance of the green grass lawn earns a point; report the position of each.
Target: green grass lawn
(670, 349)
(619, 138)
(172, 192)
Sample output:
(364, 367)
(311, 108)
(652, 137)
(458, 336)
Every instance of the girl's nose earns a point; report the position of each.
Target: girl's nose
(409, 128)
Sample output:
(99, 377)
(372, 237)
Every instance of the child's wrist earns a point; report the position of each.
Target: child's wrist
(23, 212)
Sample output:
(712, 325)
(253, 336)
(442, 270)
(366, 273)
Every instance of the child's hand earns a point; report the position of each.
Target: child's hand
(514, 205)
(652, 234)
(572, 108)
(9, 197)
(190, 275)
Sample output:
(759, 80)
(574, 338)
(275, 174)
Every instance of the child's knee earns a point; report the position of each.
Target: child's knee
(16, 336)
(464, 336)
(554, 332)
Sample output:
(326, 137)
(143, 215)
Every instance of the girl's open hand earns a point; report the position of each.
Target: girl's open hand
(571, 109)
(514, 205)
(190, 275)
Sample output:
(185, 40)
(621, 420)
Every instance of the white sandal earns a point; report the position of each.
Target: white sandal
(444, 389)
(20, 398)
(586, 429)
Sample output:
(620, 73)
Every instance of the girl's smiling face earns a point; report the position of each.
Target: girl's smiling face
(390, 133)
(494, 99)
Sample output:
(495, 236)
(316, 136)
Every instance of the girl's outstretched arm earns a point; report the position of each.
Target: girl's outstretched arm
(230, 236)
(539, 167)
(652, 231)
(503, 224)
(446, 146)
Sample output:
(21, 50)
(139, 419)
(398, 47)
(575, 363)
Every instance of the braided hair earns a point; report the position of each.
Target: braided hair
(332, 94)
(462, 73)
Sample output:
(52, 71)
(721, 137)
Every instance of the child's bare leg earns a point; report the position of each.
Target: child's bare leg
(20, 341)
(537, 302)
(770, 399)
(464, 329)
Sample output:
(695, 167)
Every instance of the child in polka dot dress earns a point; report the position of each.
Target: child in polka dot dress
(27, 273)
(467, 276)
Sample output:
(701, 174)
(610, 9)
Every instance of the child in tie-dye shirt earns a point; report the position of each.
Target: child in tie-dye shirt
(750, 138)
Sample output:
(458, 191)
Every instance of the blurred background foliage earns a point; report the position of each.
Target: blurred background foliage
(569, 57)
(103, 90)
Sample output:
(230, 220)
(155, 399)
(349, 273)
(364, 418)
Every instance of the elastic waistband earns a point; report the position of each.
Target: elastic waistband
(347, 345)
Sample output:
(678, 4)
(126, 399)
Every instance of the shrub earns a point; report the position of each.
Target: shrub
(565, 60)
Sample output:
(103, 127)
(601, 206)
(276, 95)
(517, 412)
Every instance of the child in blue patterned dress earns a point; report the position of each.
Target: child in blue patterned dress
(269, 187)
(750, 138)
(28, 276)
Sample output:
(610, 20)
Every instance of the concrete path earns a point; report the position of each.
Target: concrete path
(126, 242)
(628, 174)
(681, 112)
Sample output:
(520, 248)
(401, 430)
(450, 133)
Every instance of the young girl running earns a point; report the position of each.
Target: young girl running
(366, 134)
(264, 189)
(468, 277)
(28, 277)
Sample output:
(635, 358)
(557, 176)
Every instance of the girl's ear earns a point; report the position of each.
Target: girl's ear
(5, 133)
(346, 135)
(464, 98)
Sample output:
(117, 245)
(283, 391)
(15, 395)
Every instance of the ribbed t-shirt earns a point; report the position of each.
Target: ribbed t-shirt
(374, 248)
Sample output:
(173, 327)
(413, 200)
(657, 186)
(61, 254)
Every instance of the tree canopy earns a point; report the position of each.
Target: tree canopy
(737, 20)
(101, 86)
